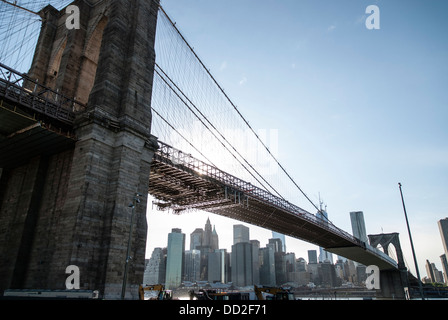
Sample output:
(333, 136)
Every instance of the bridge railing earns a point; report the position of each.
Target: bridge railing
(207, 171)
(21, 89)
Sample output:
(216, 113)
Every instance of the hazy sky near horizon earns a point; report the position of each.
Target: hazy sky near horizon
(356, 110)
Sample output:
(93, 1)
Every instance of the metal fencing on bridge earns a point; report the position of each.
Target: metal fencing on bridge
(20, 89)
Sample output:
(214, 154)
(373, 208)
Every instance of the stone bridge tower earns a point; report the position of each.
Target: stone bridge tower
(392, 282)
(71, 207)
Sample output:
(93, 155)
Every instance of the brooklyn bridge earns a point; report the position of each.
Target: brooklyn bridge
(80, 137)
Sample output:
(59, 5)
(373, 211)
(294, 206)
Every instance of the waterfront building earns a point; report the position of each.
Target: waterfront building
(241, 262)
(312, 256)
(430, 271)
(196, 238)
(328, 275)
(277, 243)
(433, 273)
(301, 264)
(267, 266)
(361, 275)
(175, 259)
(276, 235)
(155, 267)
(215, 239)
(255, 250)
(323, 254)
(443, 259)
(192, 265)
(218, 266)
(443, 228)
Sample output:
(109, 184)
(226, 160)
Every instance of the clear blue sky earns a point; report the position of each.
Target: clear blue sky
(356, 110)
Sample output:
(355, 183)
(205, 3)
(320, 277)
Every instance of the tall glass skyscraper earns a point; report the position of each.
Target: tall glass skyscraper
(241, 261)
(241, 257)
(358, 225)
(312, 256)
(175, 259)
(443, 228)
(192, 265)
(324, 255)
(280, 236)
(240, 233)
(196, 238)
(267, 266)
(218, 266)
(155, 271)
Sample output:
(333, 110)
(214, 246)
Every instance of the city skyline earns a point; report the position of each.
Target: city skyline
(247, 263)
(230, 224)
(357, 110)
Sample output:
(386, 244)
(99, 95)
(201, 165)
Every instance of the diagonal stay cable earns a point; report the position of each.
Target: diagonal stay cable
(213, 126)
(236, 109)
(182, 136)
(20, 7)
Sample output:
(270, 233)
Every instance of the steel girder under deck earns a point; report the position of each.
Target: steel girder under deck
(181, 182)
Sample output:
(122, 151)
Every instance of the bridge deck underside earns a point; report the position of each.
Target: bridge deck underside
(23, 137)
(179, 188)
(363, 256)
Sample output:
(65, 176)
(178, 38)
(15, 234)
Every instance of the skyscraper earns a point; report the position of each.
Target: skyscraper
(324, 255)
(433, 273)
(358, 225)
(277, 243)
(255, 249)
(240, 233)
(267, 266)
(192, 265)
(241, 262)
(215, 239)
(155, 267)
(280, 236)
(175, 259)
(241, 257)
(207, 240)
(443, 228)
(218, 266)
(280, 262)
(312, 256)
(430, 271)
(196, 238)
(444, 261)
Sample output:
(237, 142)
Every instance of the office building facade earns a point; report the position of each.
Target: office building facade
(155, 267)
(240, 233)
(192, 265)
(175, 259)
(241, 262)
(443, 228)
(358, 226)
(267, 266)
